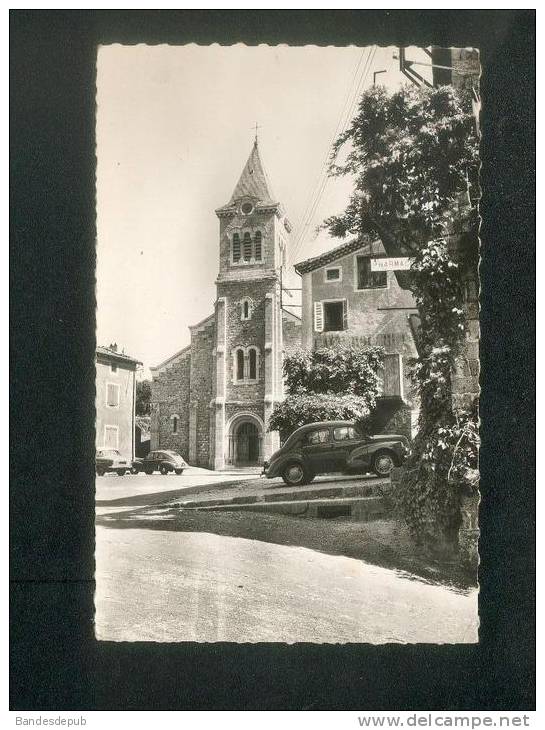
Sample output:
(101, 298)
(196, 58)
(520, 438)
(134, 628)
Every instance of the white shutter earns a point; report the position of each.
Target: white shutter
(345, 314)
(318, 317)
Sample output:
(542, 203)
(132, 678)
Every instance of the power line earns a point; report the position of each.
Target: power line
(355, 99)
(324, 178)
(323, 166)
(352, 89)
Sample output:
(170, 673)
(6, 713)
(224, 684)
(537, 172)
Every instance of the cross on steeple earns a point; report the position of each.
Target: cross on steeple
(256, 127)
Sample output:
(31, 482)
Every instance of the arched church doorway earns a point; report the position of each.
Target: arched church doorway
(245, 447)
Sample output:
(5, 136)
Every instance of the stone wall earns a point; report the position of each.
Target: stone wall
(203, 375)
(245, 333)
(468, 534)
(170, 396)
(257, 221)
(292, 333)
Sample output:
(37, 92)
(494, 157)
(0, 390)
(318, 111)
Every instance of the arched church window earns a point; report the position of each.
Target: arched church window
(247, 247)
(252, 364)
(236, 247)
(257, 242)
(240, 364)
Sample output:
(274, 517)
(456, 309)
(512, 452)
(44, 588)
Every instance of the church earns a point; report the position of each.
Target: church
(212, 400)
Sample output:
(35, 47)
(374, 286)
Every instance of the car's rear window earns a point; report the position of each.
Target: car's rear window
(345, 433)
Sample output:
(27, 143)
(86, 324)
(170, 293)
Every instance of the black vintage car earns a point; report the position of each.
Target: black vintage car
(164, 461)
(109, 460)
(335, 446)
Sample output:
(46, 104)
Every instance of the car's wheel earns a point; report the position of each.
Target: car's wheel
(100, 472)
(121, 472)
(164, 470)
(134, 470)
(148, 471)
(294, 474)
(383, 463)
(179, 471)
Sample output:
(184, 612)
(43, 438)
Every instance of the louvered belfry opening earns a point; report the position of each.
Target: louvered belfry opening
(236, 247)
(258, 246)
(247, 247)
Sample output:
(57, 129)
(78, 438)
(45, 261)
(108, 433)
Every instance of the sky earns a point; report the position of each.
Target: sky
(175, 126)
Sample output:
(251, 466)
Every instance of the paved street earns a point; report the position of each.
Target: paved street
(178, 586)
(117, 493)
(169, 575)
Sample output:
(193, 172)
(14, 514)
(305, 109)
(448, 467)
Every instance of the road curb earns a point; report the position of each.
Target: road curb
(364, 490)
(359, 509)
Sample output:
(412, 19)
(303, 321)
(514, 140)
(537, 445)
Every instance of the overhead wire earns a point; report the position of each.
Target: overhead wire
(346, 115)
(325, 179)
(323, 167)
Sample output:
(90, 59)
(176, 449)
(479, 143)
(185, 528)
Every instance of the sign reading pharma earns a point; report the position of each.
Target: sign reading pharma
(401, 263)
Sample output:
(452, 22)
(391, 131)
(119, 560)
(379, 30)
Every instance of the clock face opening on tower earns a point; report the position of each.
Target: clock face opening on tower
(247, 207)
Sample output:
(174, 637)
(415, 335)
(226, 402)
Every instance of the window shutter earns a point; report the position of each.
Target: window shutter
(345, 314)
(113, 395)
(318, 317)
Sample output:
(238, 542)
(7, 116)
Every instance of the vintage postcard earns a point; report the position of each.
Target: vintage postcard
(287, 362)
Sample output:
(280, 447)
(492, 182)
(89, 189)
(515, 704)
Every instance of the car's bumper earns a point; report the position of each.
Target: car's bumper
(270, 471)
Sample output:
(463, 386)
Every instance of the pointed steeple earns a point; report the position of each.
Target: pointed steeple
(253, 183)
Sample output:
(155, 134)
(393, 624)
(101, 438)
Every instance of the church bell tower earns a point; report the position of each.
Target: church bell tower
(254, 235)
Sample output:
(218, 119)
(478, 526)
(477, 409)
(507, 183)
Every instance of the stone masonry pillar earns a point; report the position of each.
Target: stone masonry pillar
(193, 432)
(270, 440)
(221, 343)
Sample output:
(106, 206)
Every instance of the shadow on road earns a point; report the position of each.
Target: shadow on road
(169, 495)
(154, 498)
(381, 542)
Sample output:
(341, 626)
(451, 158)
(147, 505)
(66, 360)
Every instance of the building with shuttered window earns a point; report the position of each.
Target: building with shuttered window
(115, 400)
(344, 302)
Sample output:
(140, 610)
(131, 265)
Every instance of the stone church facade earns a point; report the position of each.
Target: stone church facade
(212, 400)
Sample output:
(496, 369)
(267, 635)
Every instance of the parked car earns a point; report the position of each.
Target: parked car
(163, 461)
(111, 460)
(335, 446)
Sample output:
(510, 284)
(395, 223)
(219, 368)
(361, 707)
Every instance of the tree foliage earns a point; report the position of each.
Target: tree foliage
(143, 397)
(346, 370)
(414, 158)
(327, 384)
(303, 408)
(412, 153)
